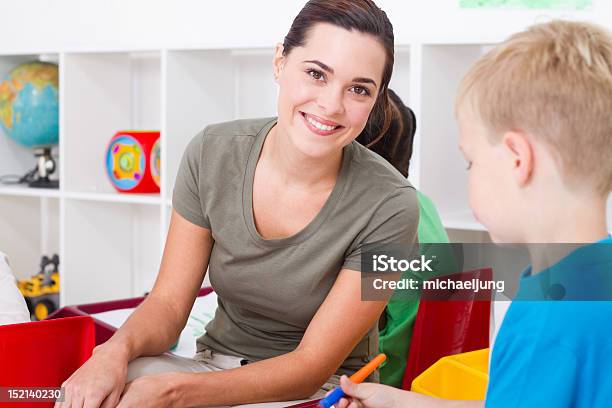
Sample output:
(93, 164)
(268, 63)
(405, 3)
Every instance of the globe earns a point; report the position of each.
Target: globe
(29, 106)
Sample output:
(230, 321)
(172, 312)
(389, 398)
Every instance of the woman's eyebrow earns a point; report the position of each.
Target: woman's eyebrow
(363, 80)
(322, 65)
(329, 69)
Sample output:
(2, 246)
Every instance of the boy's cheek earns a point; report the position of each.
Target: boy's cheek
(476, 210)
(493, 214)
(482, 203)
(475, 199)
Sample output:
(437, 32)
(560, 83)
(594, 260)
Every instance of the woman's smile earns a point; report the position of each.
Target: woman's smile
(320, 126)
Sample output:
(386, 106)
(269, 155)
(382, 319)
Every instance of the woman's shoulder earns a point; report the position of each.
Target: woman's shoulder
(222, 138)
(379, 189)
(239, 127)
(373, 170)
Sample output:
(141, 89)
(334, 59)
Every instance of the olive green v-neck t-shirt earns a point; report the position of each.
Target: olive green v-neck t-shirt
(270, 289)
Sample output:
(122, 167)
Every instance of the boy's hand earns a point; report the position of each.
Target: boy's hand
(369, 395)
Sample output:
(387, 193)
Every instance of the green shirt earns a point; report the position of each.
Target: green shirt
(270, 289)
(400, 313)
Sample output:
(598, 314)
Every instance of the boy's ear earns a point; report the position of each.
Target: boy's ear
(521, 153)
(278, 61)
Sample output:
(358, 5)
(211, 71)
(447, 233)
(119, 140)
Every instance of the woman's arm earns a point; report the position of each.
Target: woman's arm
(157, 322)
(339, 324)
(154, 325)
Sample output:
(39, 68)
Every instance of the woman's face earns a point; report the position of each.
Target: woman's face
(328, 88)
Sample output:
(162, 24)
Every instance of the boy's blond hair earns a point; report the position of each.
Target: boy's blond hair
(553, 81)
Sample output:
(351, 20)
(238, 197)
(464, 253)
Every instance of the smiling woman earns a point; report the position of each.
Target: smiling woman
(331, 85)
(279, 210)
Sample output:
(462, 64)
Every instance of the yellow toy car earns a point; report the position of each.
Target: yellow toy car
(41, 291)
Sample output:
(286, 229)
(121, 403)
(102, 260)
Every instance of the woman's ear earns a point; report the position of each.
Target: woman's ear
(278, 61)
(522, 158)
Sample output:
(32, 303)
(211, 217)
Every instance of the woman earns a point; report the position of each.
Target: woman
(278, 209)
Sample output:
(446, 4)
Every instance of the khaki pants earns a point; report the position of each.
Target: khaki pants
(205, 361)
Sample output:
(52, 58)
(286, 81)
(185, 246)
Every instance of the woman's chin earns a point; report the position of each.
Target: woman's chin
(313, 148)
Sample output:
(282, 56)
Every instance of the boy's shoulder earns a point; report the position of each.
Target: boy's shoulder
(565, 305)
(552, 353)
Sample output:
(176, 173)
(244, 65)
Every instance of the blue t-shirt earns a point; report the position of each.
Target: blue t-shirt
(558, 353)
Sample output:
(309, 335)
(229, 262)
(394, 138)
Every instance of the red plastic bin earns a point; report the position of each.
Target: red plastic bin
(446, 327)
(43, 354)
(103, 330)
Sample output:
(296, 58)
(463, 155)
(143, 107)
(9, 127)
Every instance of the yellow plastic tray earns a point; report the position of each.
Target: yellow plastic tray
(459, 377)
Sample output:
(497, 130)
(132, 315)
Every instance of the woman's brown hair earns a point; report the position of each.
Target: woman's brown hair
(396, 145)
(360, 15)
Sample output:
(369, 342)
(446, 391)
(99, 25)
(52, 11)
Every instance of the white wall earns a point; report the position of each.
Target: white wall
(51, 25)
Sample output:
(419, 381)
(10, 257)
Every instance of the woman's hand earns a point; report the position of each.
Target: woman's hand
(150, 391)
(98, 383)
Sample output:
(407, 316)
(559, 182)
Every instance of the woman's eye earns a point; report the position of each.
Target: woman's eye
(469, 166)
(360, 90)
(318, 75)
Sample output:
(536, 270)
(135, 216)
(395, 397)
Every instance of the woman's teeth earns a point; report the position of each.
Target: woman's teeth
(318, 125)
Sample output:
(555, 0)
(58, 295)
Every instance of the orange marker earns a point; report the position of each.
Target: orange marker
(357, 378)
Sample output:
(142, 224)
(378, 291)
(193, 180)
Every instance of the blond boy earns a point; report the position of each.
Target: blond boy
(535, 119)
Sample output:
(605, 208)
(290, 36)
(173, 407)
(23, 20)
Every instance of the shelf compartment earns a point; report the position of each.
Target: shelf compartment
(400, 80)
(29, 229)
(111, 250)
(103, 93)
(443, 174)
(211, 86)
(14, 158)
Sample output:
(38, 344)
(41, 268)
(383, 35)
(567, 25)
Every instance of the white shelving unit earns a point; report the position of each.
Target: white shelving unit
(29, 227)
(110, 244)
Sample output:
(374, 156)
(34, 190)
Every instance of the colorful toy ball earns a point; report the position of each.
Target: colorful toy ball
(132, 161)
(155, 162)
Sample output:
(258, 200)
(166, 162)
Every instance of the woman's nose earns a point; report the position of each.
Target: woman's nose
(330, 100)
